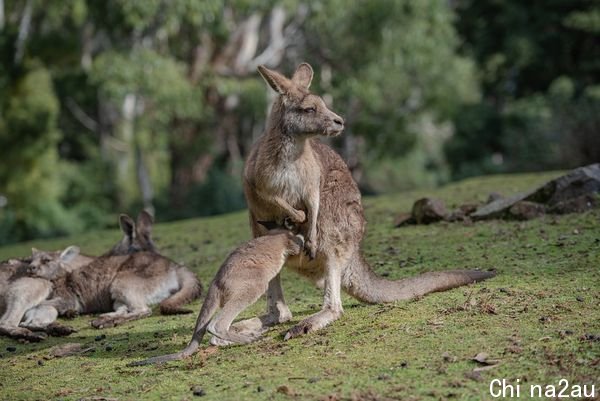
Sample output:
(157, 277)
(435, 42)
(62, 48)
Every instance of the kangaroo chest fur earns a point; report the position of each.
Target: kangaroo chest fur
(290, 171)
(289, 182)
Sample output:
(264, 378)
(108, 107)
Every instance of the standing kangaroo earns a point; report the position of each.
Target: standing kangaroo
(241, 280)
(289, 170)
(21, 292)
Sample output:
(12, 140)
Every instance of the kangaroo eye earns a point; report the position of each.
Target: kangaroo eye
(310, 110)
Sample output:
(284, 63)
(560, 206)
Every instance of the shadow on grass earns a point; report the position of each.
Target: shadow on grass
(118, 343)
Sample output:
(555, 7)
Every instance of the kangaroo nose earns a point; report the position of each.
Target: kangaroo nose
(338, 120)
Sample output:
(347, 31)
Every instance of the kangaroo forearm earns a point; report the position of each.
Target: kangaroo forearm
(64, 305)
(283, 204)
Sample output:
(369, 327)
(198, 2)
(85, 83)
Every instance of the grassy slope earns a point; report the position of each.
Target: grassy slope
(374, 352)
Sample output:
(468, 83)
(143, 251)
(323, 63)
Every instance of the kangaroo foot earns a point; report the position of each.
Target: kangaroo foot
(111, 320)
(219, 342)
(22, 333)
(312, 323)
(257, 326)
(252, 331)
(53, 329)
(59, 330)
(175, 311)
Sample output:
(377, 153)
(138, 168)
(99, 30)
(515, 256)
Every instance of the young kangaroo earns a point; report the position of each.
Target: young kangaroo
(281, 171)
(241, 280)
(22, 290)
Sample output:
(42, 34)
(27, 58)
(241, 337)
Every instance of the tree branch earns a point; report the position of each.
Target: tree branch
(81, 115)
(24, 27)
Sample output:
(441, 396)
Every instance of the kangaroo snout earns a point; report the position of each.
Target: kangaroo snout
(336, 125)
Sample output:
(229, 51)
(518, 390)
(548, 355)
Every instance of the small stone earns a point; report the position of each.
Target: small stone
(525, 210)
(259, 389)
(314, 379)
(403, 219)
(198, 391)
(108, 348)
(429, 210)
(494, 196)
(10, 348)
(100, 337)
(383, 377)
(283, 389)
(579, 298)
(40, 362)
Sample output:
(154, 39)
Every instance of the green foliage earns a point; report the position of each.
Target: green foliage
(538, 62)
(112, 105)
(407, 67)
(30, 172)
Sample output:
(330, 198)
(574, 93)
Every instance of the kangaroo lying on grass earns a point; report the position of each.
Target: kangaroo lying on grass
(288, 171)
(241, 280)
(21, 292)
(122, 288)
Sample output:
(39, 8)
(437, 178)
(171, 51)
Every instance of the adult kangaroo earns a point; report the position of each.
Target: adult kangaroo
(289, 172)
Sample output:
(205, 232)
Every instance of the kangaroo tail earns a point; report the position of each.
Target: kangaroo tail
(209, 307)
(189, 289)
(362, 283)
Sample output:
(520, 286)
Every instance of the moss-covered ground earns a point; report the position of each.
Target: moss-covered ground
(540, 317)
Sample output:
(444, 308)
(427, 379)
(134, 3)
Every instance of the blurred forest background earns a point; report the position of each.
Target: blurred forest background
(108, 106)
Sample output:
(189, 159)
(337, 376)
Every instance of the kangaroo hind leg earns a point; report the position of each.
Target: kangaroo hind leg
(220, 325)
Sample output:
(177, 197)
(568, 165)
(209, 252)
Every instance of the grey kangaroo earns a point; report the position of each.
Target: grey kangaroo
(241, 280)
(21, 291)
(290, 170)
(121, 287)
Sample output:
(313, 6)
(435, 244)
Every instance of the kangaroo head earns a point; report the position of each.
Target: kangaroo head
(137, 237)
(51, 265)
(296, 111)
(295, 241)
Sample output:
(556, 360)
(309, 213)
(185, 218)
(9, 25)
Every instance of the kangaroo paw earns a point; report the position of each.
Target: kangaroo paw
(299, 216)
(311, 248)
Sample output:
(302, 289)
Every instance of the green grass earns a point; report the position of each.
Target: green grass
(533, 316)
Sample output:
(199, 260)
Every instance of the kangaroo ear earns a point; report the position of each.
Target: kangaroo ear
(144, 224)
(69, 254)
(269, 225)
(303, 75)
(278, 82)
(127, 225)
(35, 252)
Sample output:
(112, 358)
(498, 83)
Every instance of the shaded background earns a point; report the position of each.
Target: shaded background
(109, 106)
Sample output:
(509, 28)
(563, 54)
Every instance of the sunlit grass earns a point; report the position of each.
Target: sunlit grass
(534, 316)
